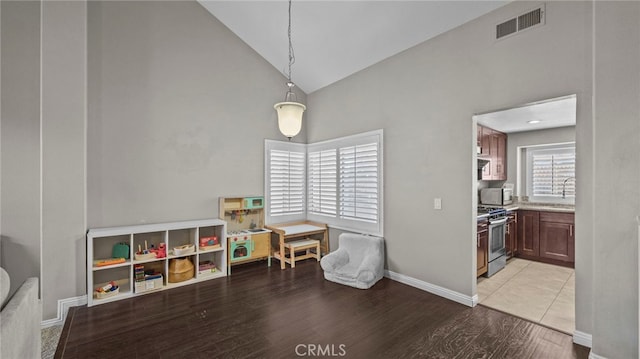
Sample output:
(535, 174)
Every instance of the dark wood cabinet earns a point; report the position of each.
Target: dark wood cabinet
(494, 148)
(500, 166)
(482, 247)
(486, 151)
(529, 233)
(557, 236)
(547, 237)
(511, 235)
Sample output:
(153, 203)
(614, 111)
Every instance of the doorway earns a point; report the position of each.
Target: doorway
(538, 282)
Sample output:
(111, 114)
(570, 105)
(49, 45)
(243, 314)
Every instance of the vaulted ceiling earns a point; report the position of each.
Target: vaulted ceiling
(334, 39)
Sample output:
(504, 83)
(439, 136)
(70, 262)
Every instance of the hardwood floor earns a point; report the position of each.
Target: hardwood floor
(261, 312)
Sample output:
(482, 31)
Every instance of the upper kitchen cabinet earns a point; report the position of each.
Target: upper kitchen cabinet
(500, 142)
(493, 147)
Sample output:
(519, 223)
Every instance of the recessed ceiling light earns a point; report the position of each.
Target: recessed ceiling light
(533, 121)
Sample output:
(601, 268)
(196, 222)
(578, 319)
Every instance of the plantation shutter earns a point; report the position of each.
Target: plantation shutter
(359, 182)
(285, 179)
(550, 169)
(338, 182)
(322, 182)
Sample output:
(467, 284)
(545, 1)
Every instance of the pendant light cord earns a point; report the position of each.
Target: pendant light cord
(292, 57)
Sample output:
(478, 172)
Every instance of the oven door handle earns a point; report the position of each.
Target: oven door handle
(498, 221)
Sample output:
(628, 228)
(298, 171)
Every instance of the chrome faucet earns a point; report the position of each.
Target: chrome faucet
(564, 184)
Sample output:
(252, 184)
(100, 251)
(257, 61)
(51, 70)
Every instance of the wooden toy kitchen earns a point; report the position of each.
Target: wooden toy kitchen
(247, 238)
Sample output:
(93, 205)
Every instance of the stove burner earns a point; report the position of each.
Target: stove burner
(494, 213)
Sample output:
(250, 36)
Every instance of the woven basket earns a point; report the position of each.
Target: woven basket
(180, 269)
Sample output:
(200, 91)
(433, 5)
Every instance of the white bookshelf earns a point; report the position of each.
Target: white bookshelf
(100, 242)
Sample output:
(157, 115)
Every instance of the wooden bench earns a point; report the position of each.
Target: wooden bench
(304, 244)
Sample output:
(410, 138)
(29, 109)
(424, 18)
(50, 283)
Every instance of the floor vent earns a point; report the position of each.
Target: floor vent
(521, 22)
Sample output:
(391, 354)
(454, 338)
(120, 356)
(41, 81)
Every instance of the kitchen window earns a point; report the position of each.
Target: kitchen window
(344, 185)
(551, 171)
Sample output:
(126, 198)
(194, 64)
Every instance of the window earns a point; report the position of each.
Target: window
(359, 182)
(551, 171)
(285, 181)
(322, 182)
(343, 181)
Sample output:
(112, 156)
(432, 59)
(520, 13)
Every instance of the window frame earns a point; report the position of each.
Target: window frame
(377, 228)
(557, 148)
(291, 147)
(333, 220)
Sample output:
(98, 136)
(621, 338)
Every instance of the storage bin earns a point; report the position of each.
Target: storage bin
(182, 250)
(148, 285)
(144, 256)
(180, 269)
(102, 295)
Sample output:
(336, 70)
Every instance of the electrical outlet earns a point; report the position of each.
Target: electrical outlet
(437, 203)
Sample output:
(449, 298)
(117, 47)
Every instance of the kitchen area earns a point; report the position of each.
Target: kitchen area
(525, 212)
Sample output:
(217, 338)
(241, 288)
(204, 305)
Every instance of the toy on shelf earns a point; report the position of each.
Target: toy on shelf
(108, 262)
(151, 252)
(120, 250)
(207, 243)
(106, 291)
(207, 267)
(160, 252)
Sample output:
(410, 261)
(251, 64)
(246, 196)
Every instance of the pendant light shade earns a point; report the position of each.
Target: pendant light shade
(290, 117)
(290, 111)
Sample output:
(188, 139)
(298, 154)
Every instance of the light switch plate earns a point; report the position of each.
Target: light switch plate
(437, 203)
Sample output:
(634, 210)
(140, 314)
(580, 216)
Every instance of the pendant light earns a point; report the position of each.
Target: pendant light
(290, 111)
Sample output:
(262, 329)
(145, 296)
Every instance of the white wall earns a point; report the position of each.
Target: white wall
(178, 111)
(529, 138)
(179, 108)
(424, 98)
(63, 151)
(43, 146)
(20, 151)
(616, 155)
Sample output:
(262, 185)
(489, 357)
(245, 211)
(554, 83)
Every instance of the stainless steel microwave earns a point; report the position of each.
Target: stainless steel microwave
(496, 196)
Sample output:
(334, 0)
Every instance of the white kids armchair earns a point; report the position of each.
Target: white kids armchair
(358, 262)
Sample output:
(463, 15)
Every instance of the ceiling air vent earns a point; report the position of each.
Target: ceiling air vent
(521, 22)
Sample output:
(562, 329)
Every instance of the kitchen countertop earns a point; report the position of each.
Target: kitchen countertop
(542, 207)
(545, 207)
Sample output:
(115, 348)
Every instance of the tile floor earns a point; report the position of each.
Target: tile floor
(542, 293)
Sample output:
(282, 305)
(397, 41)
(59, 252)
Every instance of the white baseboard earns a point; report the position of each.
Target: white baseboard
(582, 338)
(63, 308)
(593, 355)
(432, 288)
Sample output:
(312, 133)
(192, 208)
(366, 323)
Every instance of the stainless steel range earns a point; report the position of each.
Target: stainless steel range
(497, 228)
